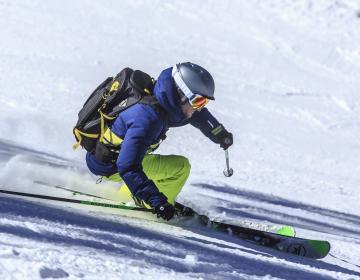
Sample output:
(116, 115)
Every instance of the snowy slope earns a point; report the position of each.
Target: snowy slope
(287, 82)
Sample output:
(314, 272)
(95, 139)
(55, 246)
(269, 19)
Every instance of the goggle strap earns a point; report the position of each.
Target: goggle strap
(181, 84)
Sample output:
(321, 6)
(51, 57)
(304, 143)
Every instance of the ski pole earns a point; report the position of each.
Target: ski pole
(228, 171)
(76, 201)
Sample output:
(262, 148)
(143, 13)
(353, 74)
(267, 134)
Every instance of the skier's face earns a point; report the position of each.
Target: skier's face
(187, 109)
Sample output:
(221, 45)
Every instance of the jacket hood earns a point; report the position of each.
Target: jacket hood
(165, 93)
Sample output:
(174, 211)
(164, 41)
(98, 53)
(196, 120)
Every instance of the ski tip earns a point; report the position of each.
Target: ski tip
(321, 247)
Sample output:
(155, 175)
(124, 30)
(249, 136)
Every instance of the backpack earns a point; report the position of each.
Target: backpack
(111, 97)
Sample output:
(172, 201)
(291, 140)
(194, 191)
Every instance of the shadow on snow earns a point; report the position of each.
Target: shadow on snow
(123, 239)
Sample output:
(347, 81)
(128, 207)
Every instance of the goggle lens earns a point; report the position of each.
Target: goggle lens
(199, 102)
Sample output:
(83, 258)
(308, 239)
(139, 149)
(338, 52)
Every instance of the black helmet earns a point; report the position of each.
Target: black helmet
(193, 79)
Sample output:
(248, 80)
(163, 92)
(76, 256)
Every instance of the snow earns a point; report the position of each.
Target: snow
(287, 83)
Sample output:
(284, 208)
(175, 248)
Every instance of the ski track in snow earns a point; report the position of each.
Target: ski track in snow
(287, 83)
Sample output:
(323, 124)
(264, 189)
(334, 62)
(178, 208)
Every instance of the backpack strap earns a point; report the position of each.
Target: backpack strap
(79, 135)
(108, 149)
(110, 138)
(103, 117)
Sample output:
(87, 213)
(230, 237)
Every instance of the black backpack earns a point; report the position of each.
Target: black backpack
(111, 97)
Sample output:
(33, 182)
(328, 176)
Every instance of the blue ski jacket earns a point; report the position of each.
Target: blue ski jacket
(141, 126)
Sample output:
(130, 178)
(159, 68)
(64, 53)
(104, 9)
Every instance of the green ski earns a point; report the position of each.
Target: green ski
(283, 241)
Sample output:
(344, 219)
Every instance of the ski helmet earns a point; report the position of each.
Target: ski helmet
(193, 79)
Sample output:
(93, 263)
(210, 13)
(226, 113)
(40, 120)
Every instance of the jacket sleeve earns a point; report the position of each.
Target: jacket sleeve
(139, 136)
(207, 124)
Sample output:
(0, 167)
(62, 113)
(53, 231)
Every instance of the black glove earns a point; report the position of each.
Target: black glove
(225, 138)
(165, 211)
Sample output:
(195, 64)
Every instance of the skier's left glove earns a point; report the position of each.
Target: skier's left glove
(165, 211)
(224, 137)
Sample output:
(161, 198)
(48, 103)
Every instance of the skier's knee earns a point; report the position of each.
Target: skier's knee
(186, 165)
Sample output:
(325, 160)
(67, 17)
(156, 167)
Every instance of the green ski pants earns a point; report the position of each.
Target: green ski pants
(168, 172)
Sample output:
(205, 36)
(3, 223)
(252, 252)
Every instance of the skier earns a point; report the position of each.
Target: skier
(154, 180)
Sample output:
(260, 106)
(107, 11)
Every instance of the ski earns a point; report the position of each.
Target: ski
(315, 249)
(283, 242)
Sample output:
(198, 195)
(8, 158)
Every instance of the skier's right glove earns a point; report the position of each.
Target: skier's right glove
(224, 137)
(165, 211)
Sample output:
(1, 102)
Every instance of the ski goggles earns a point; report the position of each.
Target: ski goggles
(197, 101)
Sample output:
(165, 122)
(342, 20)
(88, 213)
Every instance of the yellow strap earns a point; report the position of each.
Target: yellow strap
(79, 134)
(111, 138)
(114, 140)
(102, 124)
